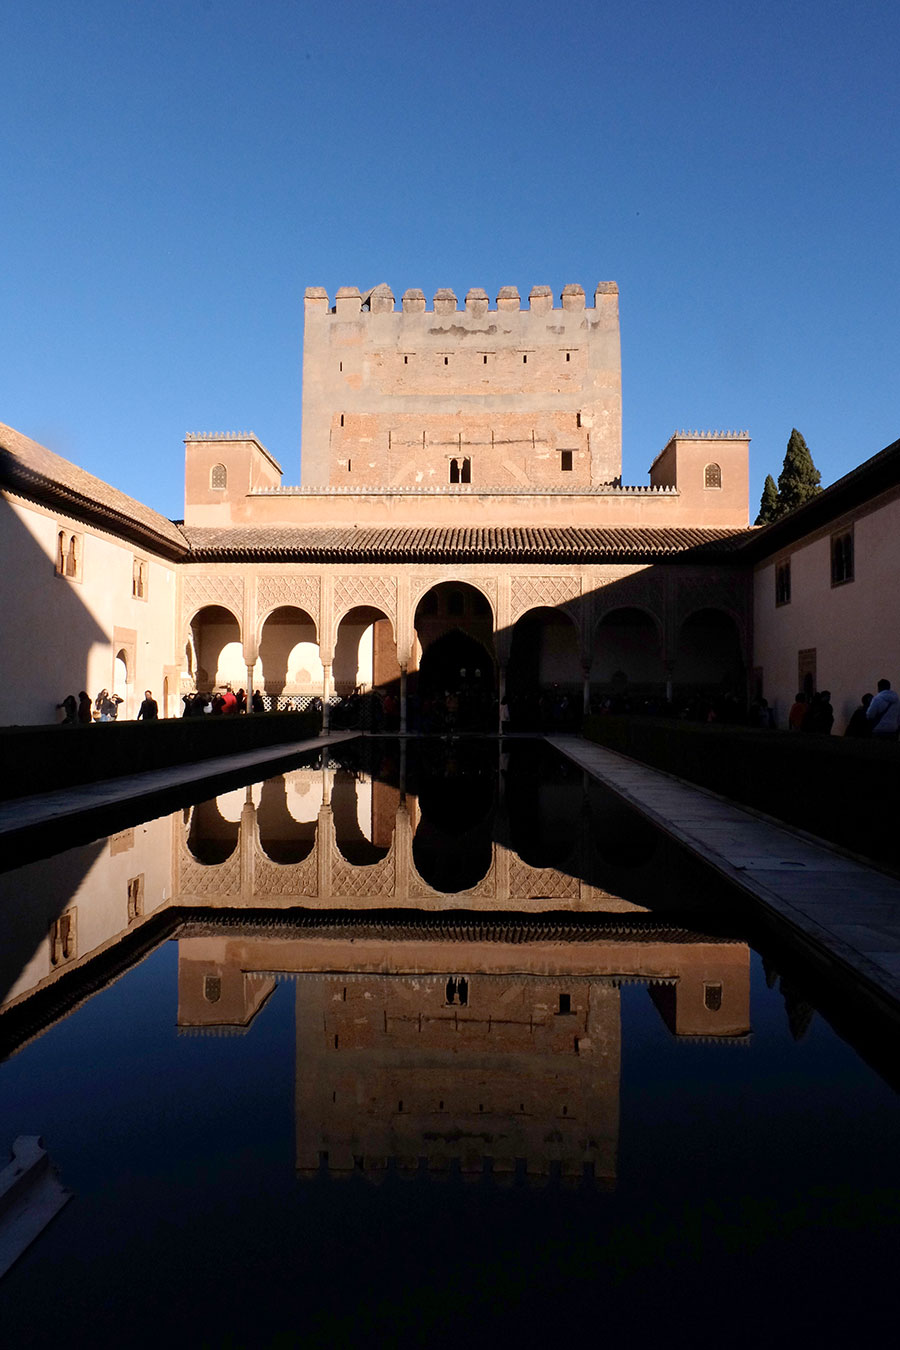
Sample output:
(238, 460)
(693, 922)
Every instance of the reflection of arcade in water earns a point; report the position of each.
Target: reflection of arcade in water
(453, 833)
(456, 939)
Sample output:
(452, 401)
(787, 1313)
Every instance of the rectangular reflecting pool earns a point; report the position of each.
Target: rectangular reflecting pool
(432, 1043)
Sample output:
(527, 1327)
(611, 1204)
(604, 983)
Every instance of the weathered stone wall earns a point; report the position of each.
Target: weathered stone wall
(513, 397)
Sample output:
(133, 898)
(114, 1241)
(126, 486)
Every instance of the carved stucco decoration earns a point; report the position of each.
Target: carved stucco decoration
(352, 882)
(270, 878)
(212, 588)
(526, 883)
(632, 590)
(288, 589)
(718, 591)
(538, 592)
(379, 592)
(220, 879)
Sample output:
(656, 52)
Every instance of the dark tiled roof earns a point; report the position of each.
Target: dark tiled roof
(415, 544)
(33, 471)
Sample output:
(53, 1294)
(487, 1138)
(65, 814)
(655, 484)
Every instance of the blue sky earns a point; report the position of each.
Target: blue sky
(175, 173)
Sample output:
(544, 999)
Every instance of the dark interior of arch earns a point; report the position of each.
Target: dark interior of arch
(211, 838)
(351, 841)
(281, 837)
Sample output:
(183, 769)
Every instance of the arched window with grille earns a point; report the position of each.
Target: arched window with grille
(712, 476)
(218, 477)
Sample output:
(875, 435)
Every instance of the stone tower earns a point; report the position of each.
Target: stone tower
(497, 398)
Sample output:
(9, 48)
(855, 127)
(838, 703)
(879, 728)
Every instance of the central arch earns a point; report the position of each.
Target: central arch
(456, 683)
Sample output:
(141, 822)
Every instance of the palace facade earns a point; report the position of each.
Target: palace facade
(460, 524)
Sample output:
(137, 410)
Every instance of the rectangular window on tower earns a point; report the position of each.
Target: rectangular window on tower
(783, 582)
(566, 461)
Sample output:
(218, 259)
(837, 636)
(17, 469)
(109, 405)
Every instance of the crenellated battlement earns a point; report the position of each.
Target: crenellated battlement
(350, 301)
(223, 436)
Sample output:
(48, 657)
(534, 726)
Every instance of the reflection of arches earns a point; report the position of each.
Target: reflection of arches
(545, 807)
(365, 653)
(452, 848)
(215, 635)
(450, 863)
(211, 839)
(349, 837)
(621, 837)
(627, 653)
(289, 652)
(709, 655)
(281, 837)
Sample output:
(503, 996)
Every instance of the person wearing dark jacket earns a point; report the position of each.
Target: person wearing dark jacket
(859, 725)
(149, 709)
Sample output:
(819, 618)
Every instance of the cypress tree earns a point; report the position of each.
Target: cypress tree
(799, 479)
(768, 502)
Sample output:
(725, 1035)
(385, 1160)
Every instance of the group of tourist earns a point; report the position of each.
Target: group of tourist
(878, 715)
(222, 703)
(104, 708)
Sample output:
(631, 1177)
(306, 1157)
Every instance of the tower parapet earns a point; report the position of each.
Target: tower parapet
(380, 300)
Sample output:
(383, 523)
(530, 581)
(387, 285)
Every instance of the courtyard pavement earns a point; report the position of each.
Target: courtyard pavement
(838, 904)
(48, 808)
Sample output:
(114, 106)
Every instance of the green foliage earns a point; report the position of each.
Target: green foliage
(768, 503)
(799, 479)
(798, 482)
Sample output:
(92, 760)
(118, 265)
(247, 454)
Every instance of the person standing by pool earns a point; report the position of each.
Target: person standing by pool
(70, 708)
(149, 709)
(884, 712)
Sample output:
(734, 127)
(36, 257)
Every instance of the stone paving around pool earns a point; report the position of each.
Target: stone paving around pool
(838, 903)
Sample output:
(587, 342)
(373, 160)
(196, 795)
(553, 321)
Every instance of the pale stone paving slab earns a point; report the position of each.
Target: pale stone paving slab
(850, 909)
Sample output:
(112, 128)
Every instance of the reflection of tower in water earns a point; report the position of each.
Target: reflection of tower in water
(493, 1073)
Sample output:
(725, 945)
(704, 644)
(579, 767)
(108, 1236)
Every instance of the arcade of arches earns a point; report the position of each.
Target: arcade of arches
(450, 651)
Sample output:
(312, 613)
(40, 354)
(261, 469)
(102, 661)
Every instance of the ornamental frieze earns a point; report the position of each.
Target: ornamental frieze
(288, 589)
(271, 878)
(220, 879)
(526, 882)
(542, 592)
(377, 592)
(212, 588)
(349, 882)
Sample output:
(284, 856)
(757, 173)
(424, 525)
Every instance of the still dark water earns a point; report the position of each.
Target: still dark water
(433, 1047)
